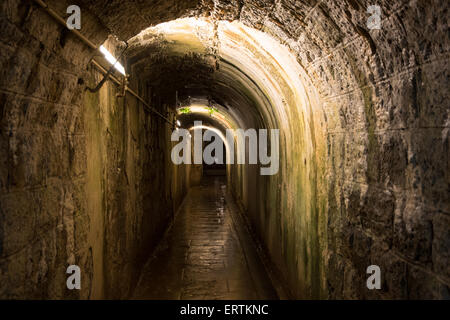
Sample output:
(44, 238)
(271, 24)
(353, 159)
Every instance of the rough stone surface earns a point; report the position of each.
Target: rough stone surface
(84, 178)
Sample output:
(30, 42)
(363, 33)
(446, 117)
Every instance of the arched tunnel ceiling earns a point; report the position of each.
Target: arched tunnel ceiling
(338, 64)
(245, 71)
(188, 121)
(312, 29)
(329, 39)
(127, 18)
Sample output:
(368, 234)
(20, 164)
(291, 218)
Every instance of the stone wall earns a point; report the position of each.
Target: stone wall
(382, 185)
(387, 148)
(83, 176)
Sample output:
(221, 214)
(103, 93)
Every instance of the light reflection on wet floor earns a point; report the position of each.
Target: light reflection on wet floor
(207, 254)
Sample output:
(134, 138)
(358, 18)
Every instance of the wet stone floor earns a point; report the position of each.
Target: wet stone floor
(207, 254)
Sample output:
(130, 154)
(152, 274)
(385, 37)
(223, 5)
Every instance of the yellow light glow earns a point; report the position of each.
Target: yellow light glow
(112, 60)
(216, 131)
(197, 108)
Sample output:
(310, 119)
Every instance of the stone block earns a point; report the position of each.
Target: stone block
(441, 244)
(17, 223)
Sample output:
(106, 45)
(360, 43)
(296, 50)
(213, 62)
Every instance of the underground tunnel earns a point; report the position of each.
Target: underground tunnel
(356, 177)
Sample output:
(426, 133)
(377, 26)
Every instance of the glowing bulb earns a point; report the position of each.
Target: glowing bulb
(112, 60)
(178, 123)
